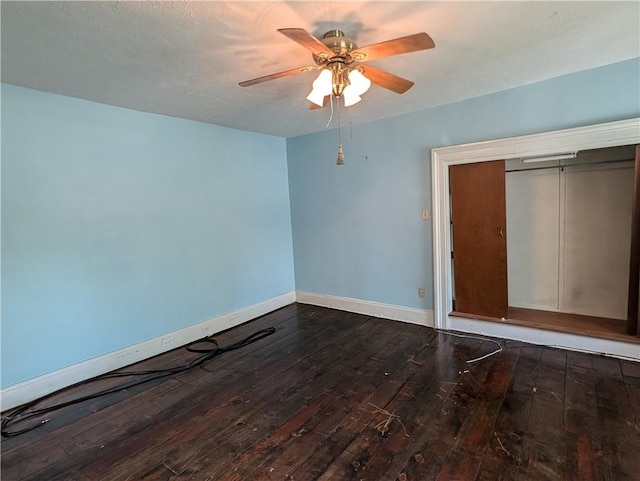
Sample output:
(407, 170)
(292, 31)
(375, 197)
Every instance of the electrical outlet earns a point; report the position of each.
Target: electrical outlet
(167, 341)
(207, 330)
(420, 292)
(425, 214)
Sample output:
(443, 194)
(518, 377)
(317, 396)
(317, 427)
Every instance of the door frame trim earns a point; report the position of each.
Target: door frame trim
(610, 134)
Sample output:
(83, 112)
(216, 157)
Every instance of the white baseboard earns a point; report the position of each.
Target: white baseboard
(573, 342)
(622, 350)
(23, 392)
(422, 317)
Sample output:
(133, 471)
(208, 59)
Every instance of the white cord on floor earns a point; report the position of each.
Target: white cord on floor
(477, 338)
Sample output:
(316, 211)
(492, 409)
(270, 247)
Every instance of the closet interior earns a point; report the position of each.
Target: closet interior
(568, 241)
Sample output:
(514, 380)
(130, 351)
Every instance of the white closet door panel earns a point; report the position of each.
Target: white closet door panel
(597, 239)
(532, 238)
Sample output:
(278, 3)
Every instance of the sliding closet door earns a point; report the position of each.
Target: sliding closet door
(479, 238)
(597, 239)
(533, 220)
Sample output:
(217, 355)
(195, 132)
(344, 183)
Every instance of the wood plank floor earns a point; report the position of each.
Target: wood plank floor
(601, 327)
(340, 396)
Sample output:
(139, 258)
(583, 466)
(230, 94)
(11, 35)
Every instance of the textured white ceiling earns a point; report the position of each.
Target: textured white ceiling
(185, 59)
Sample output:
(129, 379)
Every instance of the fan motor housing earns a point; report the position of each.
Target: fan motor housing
(340, 44)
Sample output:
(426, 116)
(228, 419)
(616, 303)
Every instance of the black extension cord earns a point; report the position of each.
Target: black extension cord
(26, 411)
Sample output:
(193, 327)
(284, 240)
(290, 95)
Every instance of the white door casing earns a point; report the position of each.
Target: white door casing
(611, 134)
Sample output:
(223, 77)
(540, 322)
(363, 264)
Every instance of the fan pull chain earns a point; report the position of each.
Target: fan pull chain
(340, 160)
(350, 123)
(339, 128)
(331, 116)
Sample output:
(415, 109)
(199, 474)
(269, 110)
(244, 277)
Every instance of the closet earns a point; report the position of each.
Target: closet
(569, 225)
(567, 235)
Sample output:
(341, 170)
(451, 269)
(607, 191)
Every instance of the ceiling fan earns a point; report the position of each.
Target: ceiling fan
(339, 60)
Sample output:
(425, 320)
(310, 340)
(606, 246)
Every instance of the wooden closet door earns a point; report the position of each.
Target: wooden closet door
(478, 216)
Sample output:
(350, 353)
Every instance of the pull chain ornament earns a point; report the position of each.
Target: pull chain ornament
(340, 160)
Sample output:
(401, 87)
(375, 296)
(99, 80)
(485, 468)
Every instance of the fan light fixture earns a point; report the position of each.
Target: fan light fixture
(339, 60)
(321, 88)
(332, 80)
(342, 64)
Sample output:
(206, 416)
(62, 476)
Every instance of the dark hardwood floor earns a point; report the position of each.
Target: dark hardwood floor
(604, 328)
(340, 396)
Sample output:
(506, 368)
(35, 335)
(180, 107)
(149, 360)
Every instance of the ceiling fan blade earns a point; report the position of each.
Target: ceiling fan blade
(307, 40)
(386, 79)
(410, 43)
(325, 101)
(284, 73)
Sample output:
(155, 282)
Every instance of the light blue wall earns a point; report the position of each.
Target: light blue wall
(119, 226)
(357, 229)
